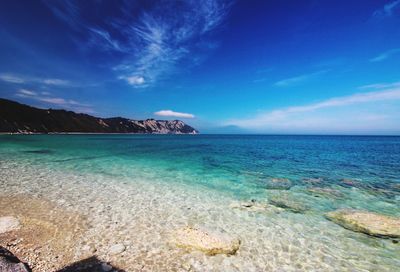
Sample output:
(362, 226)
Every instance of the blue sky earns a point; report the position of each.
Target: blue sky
(326, 67)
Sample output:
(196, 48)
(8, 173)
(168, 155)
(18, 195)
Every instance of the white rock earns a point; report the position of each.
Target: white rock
(116, 249)
(210, 242)
(8, 223)
(370, 223)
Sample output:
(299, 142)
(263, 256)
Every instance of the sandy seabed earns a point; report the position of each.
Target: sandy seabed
(68, 217)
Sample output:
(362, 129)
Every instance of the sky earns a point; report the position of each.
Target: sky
(265, 67)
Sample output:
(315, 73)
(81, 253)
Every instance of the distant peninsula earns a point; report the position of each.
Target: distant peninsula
(24, 119)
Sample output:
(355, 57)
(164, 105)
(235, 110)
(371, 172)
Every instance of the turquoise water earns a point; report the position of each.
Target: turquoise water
(362, 172)
(238, 165)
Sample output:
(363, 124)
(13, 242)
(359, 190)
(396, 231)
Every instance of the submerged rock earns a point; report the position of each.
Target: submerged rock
(254, 206)
(370, 223)
(382, 192)
(313, 180)
(8, 223)
(327, 192)
(278, 184)
(247, 205)
(10, 263)
(40, 151)
(350, 182)
(209, 242)
(288, 203)
(383, 189)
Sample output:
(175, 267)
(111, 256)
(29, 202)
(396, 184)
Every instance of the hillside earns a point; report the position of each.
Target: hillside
(20, 118)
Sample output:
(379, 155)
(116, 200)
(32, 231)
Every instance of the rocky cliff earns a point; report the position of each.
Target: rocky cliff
(19, 118)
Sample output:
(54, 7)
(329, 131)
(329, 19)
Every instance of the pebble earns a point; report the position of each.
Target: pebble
(116, 249)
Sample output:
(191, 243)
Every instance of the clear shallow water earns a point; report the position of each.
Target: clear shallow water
(237, 165)
(209, 172)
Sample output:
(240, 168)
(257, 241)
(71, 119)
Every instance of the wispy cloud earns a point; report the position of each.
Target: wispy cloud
(57, 101)
(19, 79)
(11, 78)
(381, 85)
(152, 41)
(170, 113)
(385, 55)
(25, 92)
(61, 101)
(298, 79)
(296, 116)
(55, 81)
(101, 36)
(387, 10)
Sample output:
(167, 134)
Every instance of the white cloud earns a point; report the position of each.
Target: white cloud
(307, 115)
(68, 104)
(170, 113)
(381, 86)
(57, 101)
(11, 78)
(61, 101)
(56, 82)
(26, 92)
(385, 55)
(19, 79)
(135, 80)
(298, 79)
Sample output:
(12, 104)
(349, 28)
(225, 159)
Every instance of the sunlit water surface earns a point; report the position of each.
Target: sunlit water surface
(135, 189)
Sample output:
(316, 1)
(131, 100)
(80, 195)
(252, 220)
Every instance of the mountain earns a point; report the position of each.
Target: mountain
(20, 118)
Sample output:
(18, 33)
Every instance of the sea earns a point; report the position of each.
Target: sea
(137, 189)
